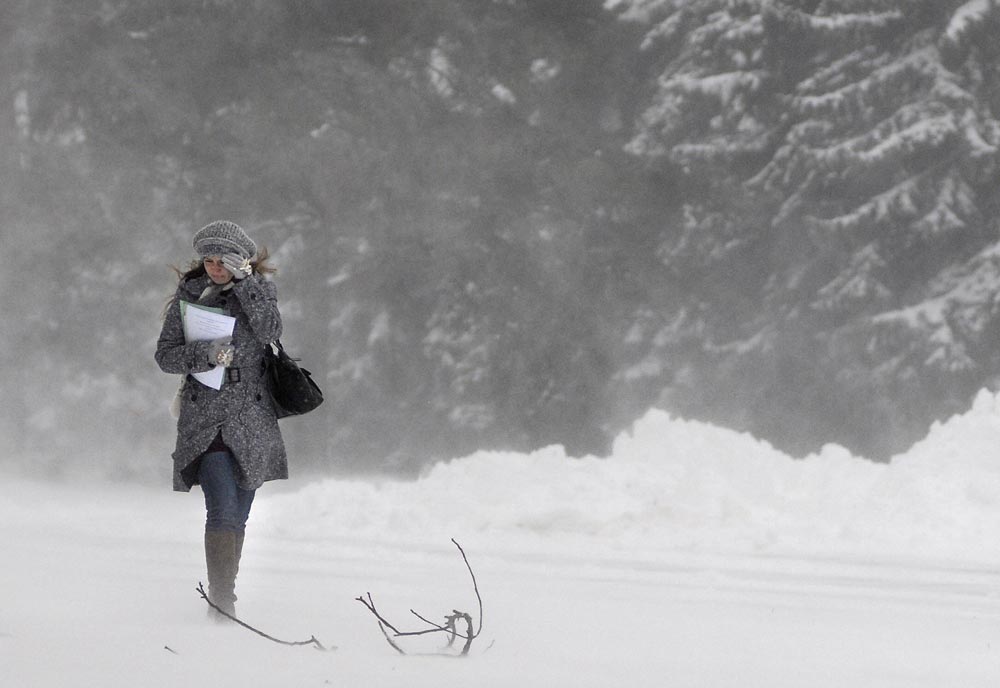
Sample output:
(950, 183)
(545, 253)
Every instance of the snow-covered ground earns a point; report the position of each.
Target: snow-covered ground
(693, 556)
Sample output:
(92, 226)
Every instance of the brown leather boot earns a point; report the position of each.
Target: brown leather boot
(222, 562)
(239, 550)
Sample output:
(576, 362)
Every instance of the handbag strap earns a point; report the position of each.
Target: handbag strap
(281, 350)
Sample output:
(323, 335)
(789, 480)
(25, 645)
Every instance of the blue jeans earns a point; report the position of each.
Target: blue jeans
(227, 505)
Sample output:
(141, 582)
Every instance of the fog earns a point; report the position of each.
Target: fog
(498, 226)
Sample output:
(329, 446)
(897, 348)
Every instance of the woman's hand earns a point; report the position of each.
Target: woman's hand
(237, 265)
(221, 351)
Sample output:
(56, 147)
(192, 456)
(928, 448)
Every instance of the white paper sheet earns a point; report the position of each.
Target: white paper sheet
(202, 323)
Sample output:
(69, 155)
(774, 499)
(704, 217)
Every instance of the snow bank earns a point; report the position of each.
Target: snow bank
(675, 484)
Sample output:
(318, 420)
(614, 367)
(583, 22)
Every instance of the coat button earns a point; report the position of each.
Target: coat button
(259, 397)
(194, 397)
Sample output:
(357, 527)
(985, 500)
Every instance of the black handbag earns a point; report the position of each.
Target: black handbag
(292, 388)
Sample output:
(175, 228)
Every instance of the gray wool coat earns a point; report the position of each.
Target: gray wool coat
(242, 410)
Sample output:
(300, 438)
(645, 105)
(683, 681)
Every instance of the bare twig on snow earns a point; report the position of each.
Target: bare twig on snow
(312, 641)
(450, 626)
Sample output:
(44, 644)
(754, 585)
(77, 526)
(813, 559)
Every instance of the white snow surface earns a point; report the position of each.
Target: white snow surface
(691, 556)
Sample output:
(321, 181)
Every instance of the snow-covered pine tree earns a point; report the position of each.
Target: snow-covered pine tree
(854, 144)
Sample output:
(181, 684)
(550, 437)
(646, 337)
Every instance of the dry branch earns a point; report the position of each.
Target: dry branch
(450, 626)
(312, 641)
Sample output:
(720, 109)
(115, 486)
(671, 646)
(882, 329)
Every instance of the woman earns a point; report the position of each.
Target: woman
(228, 439)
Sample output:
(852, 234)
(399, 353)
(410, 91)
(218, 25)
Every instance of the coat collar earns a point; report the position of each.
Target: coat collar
(194, 286)
(203, 289)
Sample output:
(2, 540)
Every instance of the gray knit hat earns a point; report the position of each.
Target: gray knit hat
(221, 237)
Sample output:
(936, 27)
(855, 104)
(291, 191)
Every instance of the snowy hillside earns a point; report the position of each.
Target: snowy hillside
(692, 553)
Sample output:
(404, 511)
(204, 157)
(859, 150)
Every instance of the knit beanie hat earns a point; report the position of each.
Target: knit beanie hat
(221, 237)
